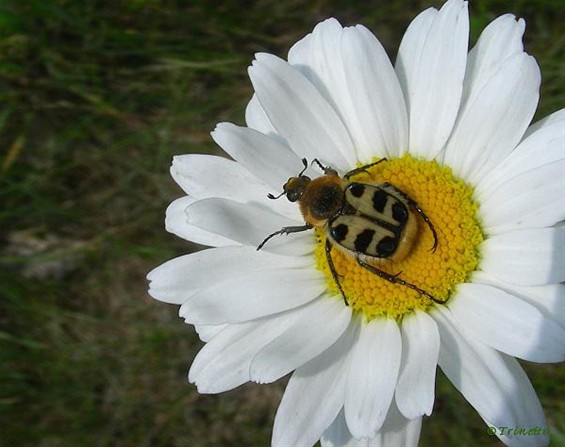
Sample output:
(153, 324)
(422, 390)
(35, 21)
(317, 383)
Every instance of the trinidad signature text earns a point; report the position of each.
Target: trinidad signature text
(518, 431)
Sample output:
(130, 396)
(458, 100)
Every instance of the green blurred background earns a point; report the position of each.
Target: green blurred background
(95, 99)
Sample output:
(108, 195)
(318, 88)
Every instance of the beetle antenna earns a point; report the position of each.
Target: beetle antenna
(305, 163)
(273, 197)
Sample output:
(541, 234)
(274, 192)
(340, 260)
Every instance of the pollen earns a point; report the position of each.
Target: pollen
(449, 204)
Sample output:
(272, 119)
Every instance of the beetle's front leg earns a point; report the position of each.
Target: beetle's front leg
(286, 230)
(363, 168)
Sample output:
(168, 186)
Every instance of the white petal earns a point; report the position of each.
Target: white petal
(352, 71)
(396, 431)
(267, 158)
(549, 121)
(493, 383)
(319, 325)
(318, 57)
(543, 145)
(257, 119)
(176, 222)
(299, 53)
(415, 389)
(207, 332)
(178, 279)
(533, 199)
(300, 114)
(375, 361)
(497, 68)
(248, 224)
(338, 435)
(500, 40)
(549, 299)
(507, 323)
(253, 295)
(223, 363)
(203, 176)
(378, 119)
(494, 118)
(431, 67)
(526, 257)
(314, 395)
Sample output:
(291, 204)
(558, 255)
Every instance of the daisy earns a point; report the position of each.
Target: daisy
(451, 130)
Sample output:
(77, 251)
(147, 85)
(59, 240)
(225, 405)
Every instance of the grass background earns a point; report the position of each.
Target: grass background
(95, 99)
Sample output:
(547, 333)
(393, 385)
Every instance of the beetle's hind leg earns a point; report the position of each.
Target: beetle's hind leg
(285, 230)
(395, 279)
(333, 271)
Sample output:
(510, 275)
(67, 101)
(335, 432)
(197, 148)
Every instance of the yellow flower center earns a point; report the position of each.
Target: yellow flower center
(449, 204)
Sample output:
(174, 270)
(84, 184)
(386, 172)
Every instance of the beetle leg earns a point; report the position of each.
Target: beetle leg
(362, 169)
(412, 203)
(286, 230)
(327, 170)
(395, 279)
(333, 271)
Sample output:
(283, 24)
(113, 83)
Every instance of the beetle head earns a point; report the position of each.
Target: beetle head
(294, 186)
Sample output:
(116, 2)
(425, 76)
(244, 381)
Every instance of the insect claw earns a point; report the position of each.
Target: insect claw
(435, 300)
(434, 247)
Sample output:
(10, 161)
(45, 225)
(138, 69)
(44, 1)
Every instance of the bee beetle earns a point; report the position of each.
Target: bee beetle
(371, 222)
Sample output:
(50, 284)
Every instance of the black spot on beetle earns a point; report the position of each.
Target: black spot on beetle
(380, 199)
(339, 232)
(399, 213)
(357, 189)
(363, 240)
(386, 246)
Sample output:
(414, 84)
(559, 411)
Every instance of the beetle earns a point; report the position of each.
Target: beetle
(372, 222)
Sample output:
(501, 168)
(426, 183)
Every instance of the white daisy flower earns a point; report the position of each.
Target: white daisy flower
(362, 321)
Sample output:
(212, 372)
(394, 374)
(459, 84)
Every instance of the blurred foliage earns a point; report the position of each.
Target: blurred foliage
(96, 97)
